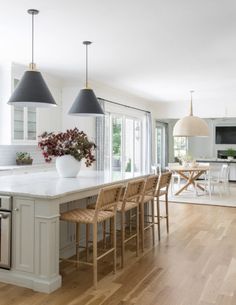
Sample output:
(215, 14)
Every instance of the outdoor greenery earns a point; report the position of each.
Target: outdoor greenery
(116, 138)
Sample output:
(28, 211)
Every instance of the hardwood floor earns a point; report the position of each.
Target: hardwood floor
(194, 265)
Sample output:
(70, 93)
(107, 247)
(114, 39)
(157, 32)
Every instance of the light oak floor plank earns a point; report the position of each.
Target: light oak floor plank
(194, 265)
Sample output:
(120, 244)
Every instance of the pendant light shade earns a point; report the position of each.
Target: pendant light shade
(86, 103)
(191, 126)
(32, 89)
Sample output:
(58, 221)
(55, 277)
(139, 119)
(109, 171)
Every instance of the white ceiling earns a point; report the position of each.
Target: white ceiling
(157, 49)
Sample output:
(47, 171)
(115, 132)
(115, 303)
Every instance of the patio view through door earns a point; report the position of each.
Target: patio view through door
(126, 144)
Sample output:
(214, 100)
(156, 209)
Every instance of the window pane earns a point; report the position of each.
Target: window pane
(180, 147)
(107, 141)
(31, 123)
(116, 143)
(18, 123)
(129, 145)
(137, 146)
(159, 144)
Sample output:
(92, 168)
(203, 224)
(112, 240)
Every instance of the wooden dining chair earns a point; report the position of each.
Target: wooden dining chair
(162, 190)
(147, 200)
(105, 208)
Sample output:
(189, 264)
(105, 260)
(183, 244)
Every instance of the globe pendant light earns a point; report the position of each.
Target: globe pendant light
(86, 103)
(32, 90)
(191, 126)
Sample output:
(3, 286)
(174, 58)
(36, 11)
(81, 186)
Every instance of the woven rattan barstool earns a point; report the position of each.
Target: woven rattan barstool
(105, 208)
(162, 190)
(147, 201)
(131, 201)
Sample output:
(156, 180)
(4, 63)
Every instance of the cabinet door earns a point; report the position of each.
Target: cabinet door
(232, 172)
(23, 234)
(67, 234)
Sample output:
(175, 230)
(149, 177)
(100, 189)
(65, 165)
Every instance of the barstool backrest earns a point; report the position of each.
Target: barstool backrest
(150, 185)
(108, 197)
(163, 183)
(133, 191)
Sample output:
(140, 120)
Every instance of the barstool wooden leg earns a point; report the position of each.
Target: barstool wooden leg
(87, 240)
(113, 222)
(137, 230)
(95, 262)
(153, 221)
(130, 221)
(122, 238)
(167, 214)
(104, 234)
(158, 219)
(77, 243)
(110, 237)
(142, 224)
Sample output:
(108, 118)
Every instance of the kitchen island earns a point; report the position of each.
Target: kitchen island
(36, 199)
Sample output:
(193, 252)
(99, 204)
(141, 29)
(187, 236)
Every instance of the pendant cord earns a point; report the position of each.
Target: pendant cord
(86, 81)
(32, 39)
(191, 103)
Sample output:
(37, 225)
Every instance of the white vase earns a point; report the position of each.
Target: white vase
(67, 166)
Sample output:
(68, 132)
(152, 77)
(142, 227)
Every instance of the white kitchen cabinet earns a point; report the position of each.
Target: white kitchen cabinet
(23, 234)
(232, 172)
(67, 233)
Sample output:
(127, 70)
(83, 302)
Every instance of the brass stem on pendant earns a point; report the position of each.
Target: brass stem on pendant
(191, 103)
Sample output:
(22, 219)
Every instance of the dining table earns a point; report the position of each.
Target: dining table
(190, 174)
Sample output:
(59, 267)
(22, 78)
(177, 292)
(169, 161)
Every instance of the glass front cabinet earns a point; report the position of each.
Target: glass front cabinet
(24, 123)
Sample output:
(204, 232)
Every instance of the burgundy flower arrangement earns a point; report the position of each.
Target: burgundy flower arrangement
(72, 142)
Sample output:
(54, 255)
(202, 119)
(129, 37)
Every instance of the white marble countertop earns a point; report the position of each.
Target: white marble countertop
(49, 185)
(22, 167)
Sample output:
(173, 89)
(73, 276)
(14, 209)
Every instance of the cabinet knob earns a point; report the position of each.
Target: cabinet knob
(16, 209)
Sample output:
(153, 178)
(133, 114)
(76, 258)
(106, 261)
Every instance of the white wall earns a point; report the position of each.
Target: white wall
(5, 113)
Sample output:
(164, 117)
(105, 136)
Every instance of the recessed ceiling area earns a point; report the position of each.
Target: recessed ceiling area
(155, 49)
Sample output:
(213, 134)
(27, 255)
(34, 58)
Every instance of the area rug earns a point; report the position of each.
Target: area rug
(227, 198)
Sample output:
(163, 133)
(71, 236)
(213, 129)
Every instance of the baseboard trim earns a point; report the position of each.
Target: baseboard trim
(32, 282)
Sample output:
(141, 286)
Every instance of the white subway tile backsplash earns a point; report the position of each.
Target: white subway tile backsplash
(8, 154)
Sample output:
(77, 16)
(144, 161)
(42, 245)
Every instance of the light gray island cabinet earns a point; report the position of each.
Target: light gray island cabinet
(36, 202)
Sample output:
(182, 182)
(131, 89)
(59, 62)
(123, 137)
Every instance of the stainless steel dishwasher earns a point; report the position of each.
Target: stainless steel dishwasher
(5, 231)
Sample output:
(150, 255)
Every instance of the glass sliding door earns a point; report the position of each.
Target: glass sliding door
(116, 130)
(161, 139)
(129, 145)
(123, 145)
(137, 146)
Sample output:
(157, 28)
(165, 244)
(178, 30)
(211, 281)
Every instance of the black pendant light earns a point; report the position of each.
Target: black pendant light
(86, 103)
(32, 89)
